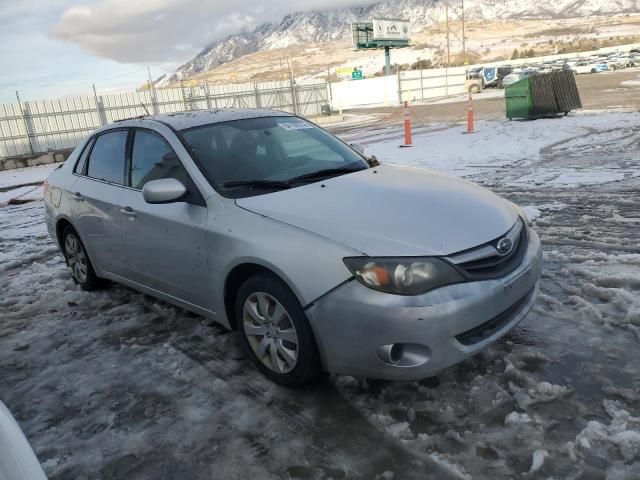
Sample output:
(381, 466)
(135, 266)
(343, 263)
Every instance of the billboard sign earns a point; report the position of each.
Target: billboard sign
(344, 70)
(390, 29)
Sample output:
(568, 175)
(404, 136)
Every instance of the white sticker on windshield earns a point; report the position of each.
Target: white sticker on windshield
(295, 125)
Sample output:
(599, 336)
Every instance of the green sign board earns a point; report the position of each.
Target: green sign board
(357, 75)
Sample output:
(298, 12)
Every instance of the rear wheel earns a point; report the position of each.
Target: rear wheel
(276, 332)
(78, 261)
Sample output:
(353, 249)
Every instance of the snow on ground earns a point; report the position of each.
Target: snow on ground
(23, 183)
(114, 384)
(24, 176)
(548, 152)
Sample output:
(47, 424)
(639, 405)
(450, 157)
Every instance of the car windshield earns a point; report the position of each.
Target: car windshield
(259, 155)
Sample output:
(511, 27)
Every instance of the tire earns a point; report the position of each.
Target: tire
(78, 260)
(281, 343)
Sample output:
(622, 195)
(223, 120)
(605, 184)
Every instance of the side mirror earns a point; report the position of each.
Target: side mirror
(163, 191)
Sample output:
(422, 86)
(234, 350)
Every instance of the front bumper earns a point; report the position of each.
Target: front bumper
(353, 324)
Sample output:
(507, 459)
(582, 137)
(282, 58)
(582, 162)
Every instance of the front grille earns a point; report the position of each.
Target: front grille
(488, 328)
(485, 262)
(497, 265)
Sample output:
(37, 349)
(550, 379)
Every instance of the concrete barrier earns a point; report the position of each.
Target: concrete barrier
(34, 160)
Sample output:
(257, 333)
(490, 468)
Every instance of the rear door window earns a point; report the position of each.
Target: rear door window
(107, 158)
(82, 161)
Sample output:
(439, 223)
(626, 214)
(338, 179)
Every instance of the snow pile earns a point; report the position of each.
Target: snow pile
(452, 469)
(542, 392)
(621, 435)
(538, 460)
(531, 212)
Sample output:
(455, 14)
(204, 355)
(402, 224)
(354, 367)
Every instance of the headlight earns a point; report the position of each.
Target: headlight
(402, 275)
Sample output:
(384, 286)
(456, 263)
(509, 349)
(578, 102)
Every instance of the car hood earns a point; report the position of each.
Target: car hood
(392, 211)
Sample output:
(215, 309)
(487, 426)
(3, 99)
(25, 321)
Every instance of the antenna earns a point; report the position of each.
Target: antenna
(145, 108)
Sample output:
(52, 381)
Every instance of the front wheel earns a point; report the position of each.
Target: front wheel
(275, 331)
(78, 261)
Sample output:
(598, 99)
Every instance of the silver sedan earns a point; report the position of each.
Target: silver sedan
(323, 260)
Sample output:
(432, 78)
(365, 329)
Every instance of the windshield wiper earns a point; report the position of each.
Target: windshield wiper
(265, 184)
(327, 172)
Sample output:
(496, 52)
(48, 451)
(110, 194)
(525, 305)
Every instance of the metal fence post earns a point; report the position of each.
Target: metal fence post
(185, 99)
(205, 88)
(421, 85)
(292, 79)
(399, 85)
(215, 98)
(102, 115)
(258, 102)
(28, 128)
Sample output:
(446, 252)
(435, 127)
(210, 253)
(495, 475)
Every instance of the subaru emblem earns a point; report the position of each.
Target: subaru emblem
(504, 245)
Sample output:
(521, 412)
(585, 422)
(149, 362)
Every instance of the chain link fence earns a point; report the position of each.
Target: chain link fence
(31, 127)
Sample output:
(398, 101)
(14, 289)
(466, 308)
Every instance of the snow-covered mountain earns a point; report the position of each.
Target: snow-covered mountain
(324, 26)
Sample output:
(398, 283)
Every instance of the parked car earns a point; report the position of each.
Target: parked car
(515, 76)
(17, 460)
(266, 223)
(491, 75)
(623, 61)
(587, 67)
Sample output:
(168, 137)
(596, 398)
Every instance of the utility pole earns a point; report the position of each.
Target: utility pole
(329, 83)
(446, 19)
(464, 40)
(446, 71)
(387, 60)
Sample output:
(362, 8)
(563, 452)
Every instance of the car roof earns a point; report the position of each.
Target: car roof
(185, 120)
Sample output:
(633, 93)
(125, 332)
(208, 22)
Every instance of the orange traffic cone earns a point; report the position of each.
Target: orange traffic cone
(470, 115)
(407, 126)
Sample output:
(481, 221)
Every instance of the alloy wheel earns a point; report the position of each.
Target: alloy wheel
(76, 257)
(270, 332)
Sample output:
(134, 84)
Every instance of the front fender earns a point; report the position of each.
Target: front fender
(309, 264)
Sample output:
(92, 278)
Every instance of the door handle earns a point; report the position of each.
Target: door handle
(128, 211)
(78, 196)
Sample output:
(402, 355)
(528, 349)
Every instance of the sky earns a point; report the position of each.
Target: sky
(52, 48)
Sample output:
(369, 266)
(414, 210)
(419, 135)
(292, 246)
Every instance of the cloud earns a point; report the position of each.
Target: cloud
(165, 31)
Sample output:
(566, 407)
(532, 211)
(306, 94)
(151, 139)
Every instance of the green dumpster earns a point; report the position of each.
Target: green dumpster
(518, 97)
(542, 95)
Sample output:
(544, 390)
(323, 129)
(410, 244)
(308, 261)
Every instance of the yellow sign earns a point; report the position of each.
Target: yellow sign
(344, 70)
